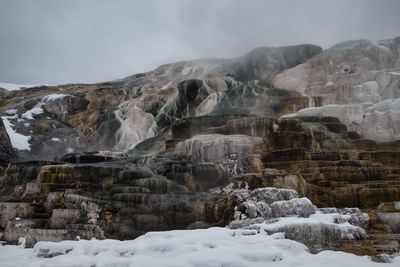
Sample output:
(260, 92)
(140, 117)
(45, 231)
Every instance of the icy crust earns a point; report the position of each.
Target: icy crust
(208, 247)
(275, 210)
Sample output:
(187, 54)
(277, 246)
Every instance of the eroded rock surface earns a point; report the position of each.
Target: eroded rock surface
(269, 141)
(360, 83)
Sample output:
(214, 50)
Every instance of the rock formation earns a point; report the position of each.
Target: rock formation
(359, 81)
(291, 139)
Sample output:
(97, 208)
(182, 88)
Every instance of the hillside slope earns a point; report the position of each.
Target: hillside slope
(291, 139)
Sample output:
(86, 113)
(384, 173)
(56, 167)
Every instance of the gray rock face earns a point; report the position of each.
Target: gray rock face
(63, 107)
(356, 81)
(300, 207)
(271, 203)
(211, 148)
(317, 237)
(60, 218)
(11, 211)
(344, 63)
(264, 62)
(87, 232)
(234, 153)
(392, 219)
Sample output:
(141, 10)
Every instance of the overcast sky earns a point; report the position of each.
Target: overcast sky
(62, 41)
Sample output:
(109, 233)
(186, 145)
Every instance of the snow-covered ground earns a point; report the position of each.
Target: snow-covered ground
(207, 247)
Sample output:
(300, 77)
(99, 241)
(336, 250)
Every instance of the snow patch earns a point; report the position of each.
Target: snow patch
(314, 219)
(204, 247)
(36, 110)
(18, 141)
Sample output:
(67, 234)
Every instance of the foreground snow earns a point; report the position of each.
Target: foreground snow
(208, 247)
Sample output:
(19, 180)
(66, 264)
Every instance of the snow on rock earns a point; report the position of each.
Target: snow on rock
(18, 141)
(267, 203)
(352, 215)
(268, 195)
(298, 206)
(275, 210)
(317, 231)
(205, 247)
(36, 110)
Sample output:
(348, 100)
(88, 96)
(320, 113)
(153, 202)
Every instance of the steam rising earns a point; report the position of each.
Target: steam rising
(49, 41)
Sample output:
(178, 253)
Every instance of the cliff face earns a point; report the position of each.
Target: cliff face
(190, 144)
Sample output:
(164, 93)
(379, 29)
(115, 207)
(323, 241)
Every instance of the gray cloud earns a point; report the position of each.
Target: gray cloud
(57, 41)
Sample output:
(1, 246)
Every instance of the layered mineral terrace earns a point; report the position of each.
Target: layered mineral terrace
(290, 139)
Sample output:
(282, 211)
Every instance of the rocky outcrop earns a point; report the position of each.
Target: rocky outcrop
(7, 152)
(264, 62)
(257, 142)
(379, 122)
(106, 199)
(275, 210)
(123, 196)
(343, 64)
(62, 105)
(358, 80)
